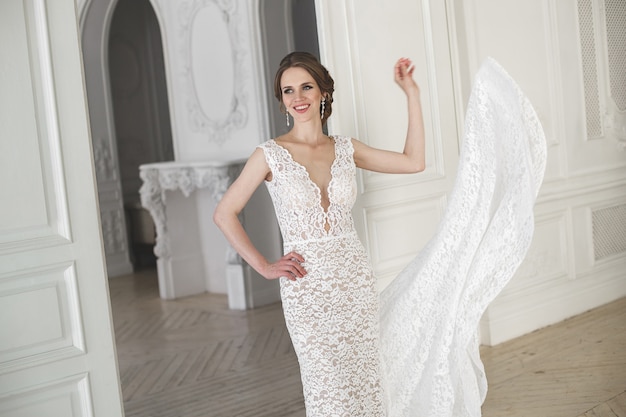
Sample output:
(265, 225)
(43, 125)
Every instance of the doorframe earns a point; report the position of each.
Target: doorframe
(105, 149)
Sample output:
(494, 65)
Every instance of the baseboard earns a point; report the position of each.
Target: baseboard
(514, 317)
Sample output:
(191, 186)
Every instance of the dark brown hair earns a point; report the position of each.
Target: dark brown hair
(319, 73)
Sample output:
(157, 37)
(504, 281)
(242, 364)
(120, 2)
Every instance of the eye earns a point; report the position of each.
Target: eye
(308, 87)
(287, 91)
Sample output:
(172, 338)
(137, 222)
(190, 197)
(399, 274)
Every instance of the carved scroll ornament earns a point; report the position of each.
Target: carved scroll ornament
(170, 176)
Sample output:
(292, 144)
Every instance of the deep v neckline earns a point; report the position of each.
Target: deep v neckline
(317, 188)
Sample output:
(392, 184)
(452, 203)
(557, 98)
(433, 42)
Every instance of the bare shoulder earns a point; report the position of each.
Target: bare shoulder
(282, 140)
(257, 166)
(357, 143)
(360, 149)
(252, 175)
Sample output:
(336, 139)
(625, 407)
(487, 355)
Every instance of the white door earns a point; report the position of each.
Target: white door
(360, 41)
(57, 352)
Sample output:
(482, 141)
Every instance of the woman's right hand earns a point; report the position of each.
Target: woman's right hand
(403, 75)
(289, 266)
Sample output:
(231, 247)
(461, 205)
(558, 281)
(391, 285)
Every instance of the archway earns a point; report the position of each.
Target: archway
(140, 107)
(114, 197)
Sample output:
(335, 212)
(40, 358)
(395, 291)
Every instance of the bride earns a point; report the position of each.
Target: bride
(412, 350)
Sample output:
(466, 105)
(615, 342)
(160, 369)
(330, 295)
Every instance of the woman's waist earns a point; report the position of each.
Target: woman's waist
(331, 254)
(295, 244)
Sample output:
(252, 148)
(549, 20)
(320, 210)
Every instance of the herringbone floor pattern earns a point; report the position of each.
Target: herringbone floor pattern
(195, 358)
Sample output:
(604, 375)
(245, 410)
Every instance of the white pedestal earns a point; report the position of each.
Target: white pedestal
(192, 255)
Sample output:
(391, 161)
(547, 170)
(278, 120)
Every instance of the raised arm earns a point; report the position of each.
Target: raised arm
(225, 217)
(412, 158)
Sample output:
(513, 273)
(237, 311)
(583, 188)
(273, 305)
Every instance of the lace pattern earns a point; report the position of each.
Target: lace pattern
(331, 313)
(297, 199)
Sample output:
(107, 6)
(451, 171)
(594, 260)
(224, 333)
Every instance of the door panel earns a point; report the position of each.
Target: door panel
(57, 355)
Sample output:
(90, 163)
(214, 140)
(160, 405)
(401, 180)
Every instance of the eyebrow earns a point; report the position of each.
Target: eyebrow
(306, 83)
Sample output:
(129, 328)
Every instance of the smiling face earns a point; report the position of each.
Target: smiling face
(308, 67)
(300, 94)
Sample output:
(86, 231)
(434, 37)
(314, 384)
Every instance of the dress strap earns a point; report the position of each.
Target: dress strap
(270, 149)
(344, 151)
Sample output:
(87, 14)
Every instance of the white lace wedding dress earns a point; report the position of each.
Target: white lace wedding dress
(417, 353)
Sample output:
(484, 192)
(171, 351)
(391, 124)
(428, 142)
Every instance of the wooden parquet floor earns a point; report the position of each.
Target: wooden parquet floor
(195, 358)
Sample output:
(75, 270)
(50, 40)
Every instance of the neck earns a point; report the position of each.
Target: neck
(309, 132)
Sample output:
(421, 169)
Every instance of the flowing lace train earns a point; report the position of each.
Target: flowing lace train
(430, 312)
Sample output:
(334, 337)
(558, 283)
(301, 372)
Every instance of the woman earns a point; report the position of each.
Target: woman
(327, 287)
(416, 355)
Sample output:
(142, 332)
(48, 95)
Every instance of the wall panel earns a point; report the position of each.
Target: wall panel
(397, 231)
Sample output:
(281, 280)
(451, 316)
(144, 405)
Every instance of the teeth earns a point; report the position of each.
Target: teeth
(301, 107)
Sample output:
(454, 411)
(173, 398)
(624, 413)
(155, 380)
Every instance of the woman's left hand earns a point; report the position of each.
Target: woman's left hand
(403, 75)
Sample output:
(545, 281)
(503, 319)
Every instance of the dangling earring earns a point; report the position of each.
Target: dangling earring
(287, 116)
(323, 105)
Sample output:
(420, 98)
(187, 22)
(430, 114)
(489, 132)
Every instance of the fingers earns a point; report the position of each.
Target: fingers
(294, 255)
(404, 66)
(404, 69)
(293, 269)
(290, 266)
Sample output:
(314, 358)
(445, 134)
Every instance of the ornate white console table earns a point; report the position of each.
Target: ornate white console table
(192, 255)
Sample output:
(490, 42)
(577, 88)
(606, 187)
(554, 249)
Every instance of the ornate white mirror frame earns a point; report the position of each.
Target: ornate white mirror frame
(212, 78)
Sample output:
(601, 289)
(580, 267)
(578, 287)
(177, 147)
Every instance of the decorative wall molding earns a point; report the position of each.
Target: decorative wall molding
(105, 163)
(186, 178)
(615, 125)
(113, 231)
(393, 222)
(217, 129)
(582, 185)
(57, 332)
